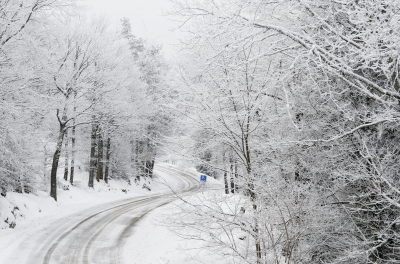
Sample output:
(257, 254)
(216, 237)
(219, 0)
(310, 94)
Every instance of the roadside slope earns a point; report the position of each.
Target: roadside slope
(35, 237)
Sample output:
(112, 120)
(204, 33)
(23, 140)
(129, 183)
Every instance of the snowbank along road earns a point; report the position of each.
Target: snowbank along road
(97, 235)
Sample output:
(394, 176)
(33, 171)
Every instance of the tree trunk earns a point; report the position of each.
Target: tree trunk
(152, 166)
(66, 155)
(108, 153)
(143, 167)
(253, 196)
(257, 235)
(236, 176)
(225, 176)
(137, 152)
(100, 151)
(153, 159)
(256, 232)
(226, 183)
(73, 140)
(148, 158)
(147, 168)
(232, 176)
(258, 248)
(56, 158)
(92, 161)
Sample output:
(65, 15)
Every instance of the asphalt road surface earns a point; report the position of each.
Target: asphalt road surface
(97, 235)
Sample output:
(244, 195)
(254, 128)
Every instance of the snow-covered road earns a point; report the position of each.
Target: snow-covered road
(97, 234)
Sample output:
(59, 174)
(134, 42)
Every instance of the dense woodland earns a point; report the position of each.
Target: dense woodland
(293, 105)
(73, 90)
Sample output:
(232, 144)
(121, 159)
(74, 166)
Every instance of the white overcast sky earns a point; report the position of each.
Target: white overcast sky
(147, 18)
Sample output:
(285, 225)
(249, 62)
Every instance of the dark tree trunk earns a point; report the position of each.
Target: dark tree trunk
(66, 155)
(255, 208)
(258, 250)
(148, 158)
(153, 159)
(56, 158)
(225, 176)
(232, 176)
(93, 158)
(236, 177)
(152, 167)
(108, 153)
(147, 169)
(73, 142)
(226, 183)
(100, 151)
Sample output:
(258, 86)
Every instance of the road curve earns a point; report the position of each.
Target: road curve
(97, 235)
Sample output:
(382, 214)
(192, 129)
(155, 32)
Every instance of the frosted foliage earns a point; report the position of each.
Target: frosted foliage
(62, 73)
(299, 101)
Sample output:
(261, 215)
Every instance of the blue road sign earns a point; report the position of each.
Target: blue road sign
(203, 178)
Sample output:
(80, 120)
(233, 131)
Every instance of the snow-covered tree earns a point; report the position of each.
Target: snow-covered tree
(336, 79)
(155, 120)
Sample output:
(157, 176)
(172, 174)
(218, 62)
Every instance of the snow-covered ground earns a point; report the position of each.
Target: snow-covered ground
(150, 242)
(25, 209)
(153, 242)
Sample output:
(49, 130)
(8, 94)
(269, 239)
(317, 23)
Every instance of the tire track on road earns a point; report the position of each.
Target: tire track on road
(80, 246)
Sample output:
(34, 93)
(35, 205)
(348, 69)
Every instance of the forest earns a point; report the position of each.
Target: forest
(73, 88)
(294, 105)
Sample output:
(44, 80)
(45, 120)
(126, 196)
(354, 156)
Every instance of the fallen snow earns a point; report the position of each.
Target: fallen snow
(154, 241)
(151, 241)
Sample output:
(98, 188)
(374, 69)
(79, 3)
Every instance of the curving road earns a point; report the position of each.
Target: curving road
(97, 235)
